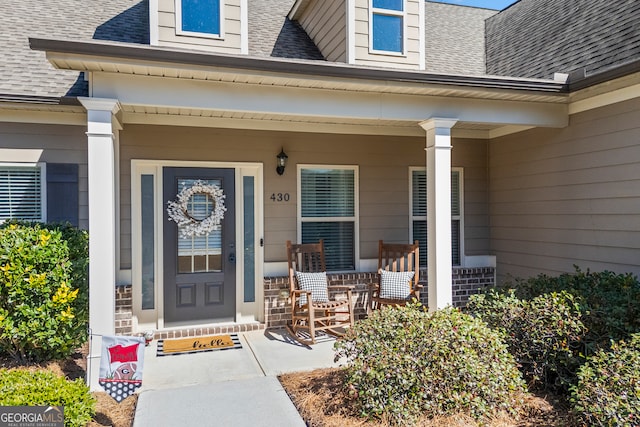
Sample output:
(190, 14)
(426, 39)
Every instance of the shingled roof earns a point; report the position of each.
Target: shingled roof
(537, 38)
(25, 72)
(454, 40)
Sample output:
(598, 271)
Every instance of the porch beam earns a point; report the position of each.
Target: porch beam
(102, 138)
(281, 102)
(439, 263)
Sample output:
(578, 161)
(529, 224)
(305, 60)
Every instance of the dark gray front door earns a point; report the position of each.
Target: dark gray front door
(199, 271)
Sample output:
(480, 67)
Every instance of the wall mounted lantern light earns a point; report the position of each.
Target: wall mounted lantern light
(282, 162)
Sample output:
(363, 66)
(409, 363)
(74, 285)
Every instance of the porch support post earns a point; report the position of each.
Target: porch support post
(102, 138)
(439, 211)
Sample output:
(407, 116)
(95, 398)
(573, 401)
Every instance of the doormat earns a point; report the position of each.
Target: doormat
(197, 344)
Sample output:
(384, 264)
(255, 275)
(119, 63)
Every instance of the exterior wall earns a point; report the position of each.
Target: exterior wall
(413, 27)
(560, 197)
(326, 24)
(383, 178)
(454, 38)
(231, 42)
(26, 142)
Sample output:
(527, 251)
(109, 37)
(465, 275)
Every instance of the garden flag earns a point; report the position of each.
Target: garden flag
(121, 365)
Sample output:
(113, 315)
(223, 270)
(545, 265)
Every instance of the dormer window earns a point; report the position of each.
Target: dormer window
(199, 17)
(386, 26)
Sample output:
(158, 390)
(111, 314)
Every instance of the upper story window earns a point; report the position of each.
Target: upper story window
(22, 192)
(199, 17)
(386, 27)
(328, 210)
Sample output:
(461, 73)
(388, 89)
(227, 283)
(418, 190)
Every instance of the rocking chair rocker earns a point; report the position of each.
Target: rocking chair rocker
(312, 307)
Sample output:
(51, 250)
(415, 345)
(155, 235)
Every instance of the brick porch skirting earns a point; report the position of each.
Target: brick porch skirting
(466, 282)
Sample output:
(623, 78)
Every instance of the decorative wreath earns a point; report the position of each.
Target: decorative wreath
(178, 210)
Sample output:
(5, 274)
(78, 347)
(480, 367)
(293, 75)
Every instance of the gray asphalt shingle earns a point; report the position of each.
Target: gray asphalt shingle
(536, 38)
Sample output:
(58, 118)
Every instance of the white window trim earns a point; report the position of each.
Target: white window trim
(43, 184)
(355, 218)
(453, 217)
(180, 32)
(389, 12)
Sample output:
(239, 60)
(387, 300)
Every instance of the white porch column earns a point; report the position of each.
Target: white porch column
(102, 138)
(439, 211)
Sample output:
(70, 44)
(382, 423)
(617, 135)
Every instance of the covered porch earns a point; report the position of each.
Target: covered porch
(152, 110)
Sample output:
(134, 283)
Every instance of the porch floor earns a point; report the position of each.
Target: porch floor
(237, 387)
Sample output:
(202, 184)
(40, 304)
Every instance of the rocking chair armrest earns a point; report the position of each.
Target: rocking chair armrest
(418, 287)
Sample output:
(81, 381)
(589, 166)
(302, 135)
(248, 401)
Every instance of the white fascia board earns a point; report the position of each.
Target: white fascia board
(77, 117)
(308, 102)
(602, 100)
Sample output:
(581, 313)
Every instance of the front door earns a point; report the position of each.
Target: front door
(199, 266)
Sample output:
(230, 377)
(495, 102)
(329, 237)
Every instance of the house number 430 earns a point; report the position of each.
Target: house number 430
(280, 197)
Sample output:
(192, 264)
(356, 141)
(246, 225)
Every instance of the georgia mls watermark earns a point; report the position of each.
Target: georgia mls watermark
(31, 416)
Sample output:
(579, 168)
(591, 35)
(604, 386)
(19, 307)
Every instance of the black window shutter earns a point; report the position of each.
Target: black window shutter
(62, 192)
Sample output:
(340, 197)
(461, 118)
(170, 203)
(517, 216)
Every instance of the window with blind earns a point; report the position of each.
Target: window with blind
(327, 211)
(419, 213)
(22, 192)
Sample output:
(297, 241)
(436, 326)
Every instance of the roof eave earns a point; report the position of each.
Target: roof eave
(581, 79)
(308, 68)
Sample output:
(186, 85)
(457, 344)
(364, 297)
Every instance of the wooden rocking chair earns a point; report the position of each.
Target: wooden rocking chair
(398, 275)
(312, 307)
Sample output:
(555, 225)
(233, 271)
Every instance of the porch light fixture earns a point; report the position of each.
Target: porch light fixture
(282, 161)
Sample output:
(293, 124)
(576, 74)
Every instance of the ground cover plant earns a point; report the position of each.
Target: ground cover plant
(543, 333)
(20, 387)
(607, 392)
(609, 302)
(405, 362)
(582, 330)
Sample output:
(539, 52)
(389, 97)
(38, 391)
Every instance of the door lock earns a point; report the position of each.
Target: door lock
(232, 258)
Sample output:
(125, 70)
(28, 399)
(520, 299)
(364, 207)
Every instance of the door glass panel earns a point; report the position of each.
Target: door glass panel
(148, 242)
(249, 240)
(199, 254)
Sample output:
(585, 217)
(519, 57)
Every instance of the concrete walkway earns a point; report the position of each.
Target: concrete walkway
(230, 387)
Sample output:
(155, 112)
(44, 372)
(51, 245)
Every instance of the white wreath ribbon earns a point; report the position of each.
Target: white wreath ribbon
(189, 226)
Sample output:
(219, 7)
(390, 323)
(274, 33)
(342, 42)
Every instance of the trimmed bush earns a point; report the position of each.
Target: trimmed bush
(20, 387)
(543, 333)
(404, 362)
(610, 302)
(37, 301)
(608, 388)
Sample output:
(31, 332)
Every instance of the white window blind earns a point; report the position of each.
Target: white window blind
(419, 214)
(21, 193)
(328, 212)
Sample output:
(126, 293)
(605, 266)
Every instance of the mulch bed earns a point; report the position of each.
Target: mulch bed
(323, 402)
(108, 411)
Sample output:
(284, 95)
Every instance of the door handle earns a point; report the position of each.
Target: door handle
(232, 258)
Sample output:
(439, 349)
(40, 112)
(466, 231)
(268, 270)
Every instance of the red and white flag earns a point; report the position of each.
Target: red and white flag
(121, 365)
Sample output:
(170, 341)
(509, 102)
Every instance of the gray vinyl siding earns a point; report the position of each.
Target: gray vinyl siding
(230, 43)
(560, 197)
(49, 144)
(383, 179)
(325, 22)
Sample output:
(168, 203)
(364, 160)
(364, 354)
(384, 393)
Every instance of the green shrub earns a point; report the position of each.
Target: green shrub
(405, 362)
(608, 388)
(37, 313)
(543, 333)
(610, 302)
(20, 387)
